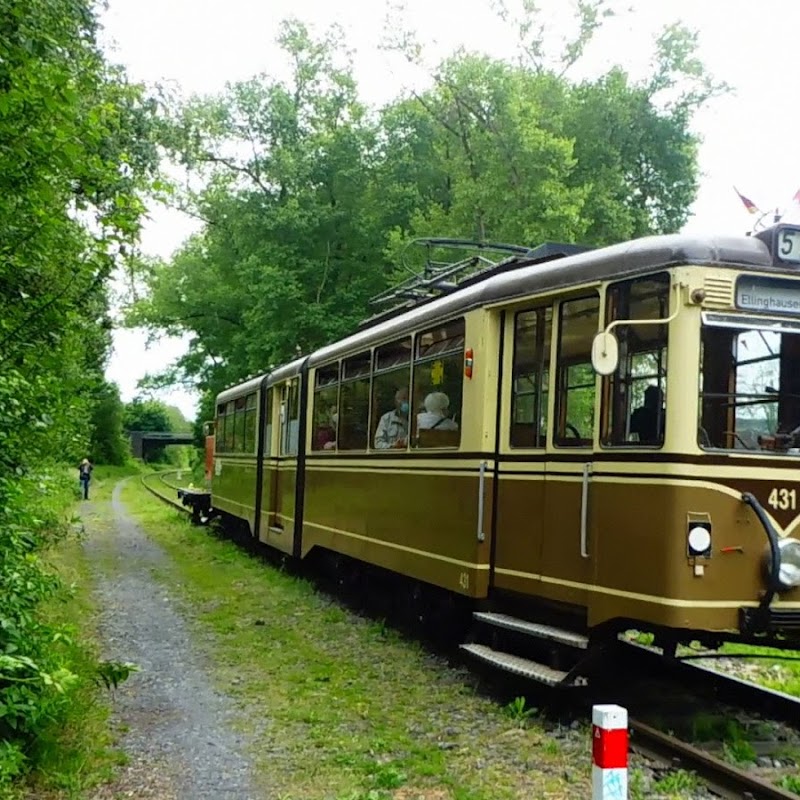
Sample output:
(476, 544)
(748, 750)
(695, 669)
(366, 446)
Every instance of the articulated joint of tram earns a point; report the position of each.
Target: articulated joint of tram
(782, 565)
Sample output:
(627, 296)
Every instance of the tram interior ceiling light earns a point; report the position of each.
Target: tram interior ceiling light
(789, 572)
(698, 540)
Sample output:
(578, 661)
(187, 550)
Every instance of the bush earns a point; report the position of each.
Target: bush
(33, 676)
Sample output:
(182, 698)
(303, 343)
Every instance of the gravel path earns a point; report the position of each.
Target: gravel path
(178, 730)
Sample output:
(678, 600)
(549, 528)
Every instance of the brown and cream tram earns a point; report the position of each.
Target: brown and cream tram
(607, 438)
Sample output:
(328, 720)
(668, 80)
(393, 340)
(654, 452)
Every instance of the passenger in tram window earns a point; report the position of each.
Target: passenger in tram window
(647, 421)
(392, 431)
(435, 414)
(326, 434)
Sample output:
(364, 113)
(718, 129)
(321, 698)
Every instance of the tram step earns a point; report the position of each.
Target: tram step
(536, 629)
(521, 666)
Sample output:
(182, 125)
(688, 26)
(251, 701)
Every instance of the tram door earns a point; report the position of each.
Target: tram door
(285, 472)
(268, 491)
(520, 505)
(569, 522)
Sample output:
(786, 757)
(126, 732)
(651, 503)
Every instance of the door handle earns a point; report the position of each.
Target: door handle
(481, 500)
(587, 474)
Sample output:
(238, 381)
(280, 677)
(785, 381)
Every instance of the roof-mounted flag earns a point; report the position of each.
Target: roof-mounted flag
(748, 204)
(796, 197)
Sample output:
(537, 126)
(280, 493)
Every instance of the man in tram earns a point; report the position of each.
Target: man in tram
(392, 429)
(647, 421)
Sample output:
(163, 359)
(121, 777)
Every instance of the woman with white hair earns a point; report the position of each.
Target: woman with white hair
(435, 414)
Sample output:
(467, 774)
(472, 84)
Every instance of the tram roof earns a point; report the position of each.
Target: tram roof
(247, 387)
(615, 262)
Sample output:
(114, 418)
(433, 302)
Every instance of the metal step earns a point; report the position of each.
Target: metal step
(536, 629)
(521, 666)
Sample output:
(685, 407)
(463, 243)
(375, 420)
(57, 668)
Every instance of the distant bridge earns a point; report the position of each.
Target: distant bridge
(143, 441)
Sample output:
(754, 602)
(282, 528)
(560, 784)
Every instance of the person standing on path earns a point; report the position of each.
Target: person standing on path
(85, 475)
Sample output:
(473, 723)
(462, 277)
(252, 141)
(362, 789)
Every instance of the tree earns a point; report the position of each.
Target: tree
(148, 415)
(109, 444)
(77, 152)
(310, 201)
(291, 215)
(177, 422)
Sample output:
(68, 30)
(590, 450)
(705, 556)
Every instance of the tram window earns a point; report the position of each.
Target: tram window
(576, 378)
(238, 435)
(354, 424)
(250, 414)
(290, 418)
(749, 389)
(268, 424)
(634, 412)
(530, 377)
(229, 423)
(219, 439)
(438, 386)
(326, 408)
(390, 398)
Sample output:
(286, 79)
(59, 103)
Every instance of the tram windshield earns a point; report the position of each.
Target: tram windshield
(750, 384)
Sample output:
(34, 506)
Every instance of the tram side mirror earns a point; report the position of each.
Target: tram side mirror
(605, 353)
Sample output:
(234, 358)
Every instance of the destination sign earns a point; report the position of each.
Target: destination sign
(770, 295)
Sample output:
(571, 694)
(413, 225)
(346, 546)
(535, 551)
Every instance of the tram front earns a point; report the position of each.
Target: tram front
(724, 490)
(749, 427)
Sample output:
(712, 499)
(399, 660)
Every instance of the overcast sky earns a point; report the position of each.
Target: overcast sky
(749, 138)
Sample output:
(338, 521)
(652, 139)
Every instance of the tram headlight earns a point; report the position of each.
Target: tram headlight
(789, 573)
(698, 540)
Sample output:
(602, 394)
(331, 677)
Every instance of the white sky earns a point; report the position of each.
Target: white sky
(749, 138)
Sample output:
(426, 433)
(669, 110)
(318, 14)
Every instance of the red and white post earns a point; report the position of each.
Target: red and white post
(609, 753)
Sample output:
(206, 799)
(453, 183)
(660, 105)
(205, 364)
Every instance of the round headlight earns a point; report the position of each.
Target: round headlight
(699, 539)
(789, 573)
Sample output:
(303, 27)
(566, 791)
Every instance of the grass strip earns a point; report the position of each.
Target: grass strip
(342, 707)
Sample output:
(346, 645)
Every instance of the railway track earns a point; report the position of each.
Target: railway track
(164, 485)
(721, 778)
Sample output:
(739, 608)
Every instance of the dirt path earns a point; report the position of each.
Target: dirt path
(177, 729)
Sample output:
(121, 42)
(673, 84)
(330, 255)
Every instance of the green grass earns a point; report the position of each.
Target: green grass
(791, 783)
(776, 673)
(105, 478)
(676, 784)
(342, 707)
(76, 751)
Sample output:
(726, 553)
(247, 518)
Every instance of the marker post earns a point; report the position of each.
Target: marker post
(609, 753)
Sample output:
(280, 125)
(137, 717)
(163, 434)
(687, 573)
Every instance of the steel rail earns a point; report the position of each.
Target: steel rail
(161, 495)
(721, 778)
(727, 688)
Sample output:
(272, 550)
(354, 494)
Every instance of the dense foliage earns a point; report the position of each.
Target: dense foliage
(146, 415)
(109, 444)
(310, 198)
(75, 150)
(154, 415)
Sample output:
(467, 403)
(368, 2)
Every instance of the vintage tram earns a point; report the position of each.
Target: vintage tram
(578, 441)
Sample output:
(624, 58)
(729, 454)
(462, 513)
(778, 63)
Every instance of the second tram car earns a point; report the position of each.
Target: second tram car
(576, 441)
